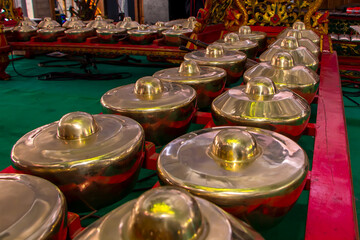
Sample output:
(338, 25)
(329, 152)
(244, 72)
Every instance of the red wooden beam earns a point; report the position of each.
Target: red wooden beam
(331, 208)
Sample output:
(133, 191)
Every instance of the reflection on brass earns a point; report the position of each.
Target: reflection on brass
(245, 32)
(301, 55)
(24, 31)
(79, 33)
(72, 22)
(163, 109)
(215, 56)
(168, 213)
(110, 34)
(31, 208)
(285, 73)
(142, 35)
(262, 175)
(305, 33)
(208, 82)
(260, 104)
(94, 160)
(48, 22)
(50, 33)
(127, 24)
(232, 42)
(172, 38)
(98, 23)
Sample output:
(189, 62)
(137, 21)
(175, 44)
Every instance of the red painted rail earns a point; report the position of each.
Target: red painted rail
(331, 208)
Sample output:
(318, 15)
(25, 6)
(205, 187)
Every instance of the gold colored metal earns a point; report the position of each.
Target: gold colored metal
(128, 24)
(262, 175)
(72, 22)
(208, 82)
(48, 22)
(31, 208)
(98, 23)
(30, 22)
(245, 32)
(110, 34)
(305, 33)
(303, 42)
(24, 31)
(301, 55)
(172, 35)
(232, 42)
(260, 104)
(168, 213)
(79, 34)
(163, 109)
(94, 160)
(233, 62)
(285, 73)
(142, 35)
(190, 23)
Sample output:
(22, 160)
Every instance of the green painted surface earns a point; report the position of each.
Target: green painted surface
(28, 103)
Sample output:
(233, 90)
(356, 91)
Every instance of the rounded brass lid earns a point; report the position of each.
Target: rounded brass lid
(233, 42)
(99, 22)
(177, 30)
(303, 42)
(25, 26)
(72, 22)
(77, 138)
(232, 163)
(159, 26)
(261, 101)
(189, 72)
(127, 23)
(246, 32)
(168, 213)
(148, 94)
(284, 72)
(215, 53)
(30, 22)
(110, 29)
(142, 30)
(48, 22)
(190, 23)
(306, 33)
(301, 55)
(31, 207)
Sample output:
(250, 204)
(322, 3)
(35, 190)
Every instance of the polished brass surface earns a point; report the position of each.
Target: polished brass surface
(50, 33)
(159, 27)
(285, 73)
(260, 176)
(301, 55)
(233, 62)
(232, 42)
(110, 34)
(245, 32)
(31, 208)
(208, 82)
(142, 35)
(190, 23)
(79, 34)
(303, 42)
(163, 109)
(72, 22)
(30, 22)
(168, 213)
(48, 22)
(127, 23)
(24, 31)
(306, 33)
(172, 38)
(94, 160)
(98, 23)
(260, 104)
